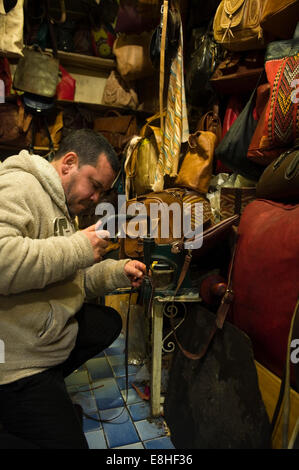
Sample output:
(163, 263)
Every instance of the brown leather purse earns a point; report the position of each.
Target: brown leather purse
(211, 122)
(280, 180)
(196, 170)
(118, 129)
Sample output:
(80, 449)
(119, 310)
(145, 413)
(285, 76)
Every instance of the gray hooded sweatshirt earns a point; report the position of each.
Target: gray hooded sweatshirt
(46, 269)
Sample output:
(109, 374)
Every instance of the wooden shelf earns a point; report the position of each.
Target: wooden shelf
(86, 62)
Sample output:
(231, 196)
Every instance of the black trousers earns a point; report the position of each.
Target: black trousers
(36, 412)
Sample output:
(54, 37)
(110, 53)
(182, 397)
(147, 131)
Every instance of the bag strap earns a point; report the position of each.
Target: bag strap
(221, 312)
(162, 62)
(283, 402)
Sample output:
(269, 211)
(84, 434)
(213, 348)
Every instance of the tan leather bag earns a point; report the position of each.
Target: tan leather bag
(280, 17)
(237, 24)
(132, 55)
(211, 122)
(11, 30)
(196, 170)
(118, 93)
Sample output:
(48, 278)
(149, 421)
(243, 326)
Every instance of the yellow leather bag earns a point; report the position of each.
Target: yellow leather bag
(196, 170)
(141, 165)
(237, 24)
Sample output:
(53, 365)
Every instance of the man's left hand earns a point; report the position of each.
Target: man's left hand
(135, 270)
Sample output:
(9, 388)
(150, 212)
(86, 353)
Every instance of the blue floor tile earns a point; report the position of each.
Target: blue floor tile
(149, 430)
(131, 396)
(99, 368)
(108, 396)
(139, 411)
(121, 381)
(114, 350)
(118, 365)
(96, 440)
(120, 430)
(160, 443)
(90, 424)
(138, 445)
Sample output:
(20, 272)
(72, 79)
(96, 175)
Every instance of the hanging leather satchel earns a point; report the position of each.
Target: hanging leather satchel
(132, 55)
(280, 180)
(237, 25)
(196, 170)
(37, 72)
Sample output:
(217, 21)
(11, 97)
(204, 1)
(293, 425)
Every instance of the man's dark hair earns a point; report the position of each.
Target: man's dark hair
(88, 145)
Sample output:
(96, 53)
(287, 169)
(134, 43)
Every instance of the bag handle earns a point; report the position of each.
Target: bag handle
(162, 62)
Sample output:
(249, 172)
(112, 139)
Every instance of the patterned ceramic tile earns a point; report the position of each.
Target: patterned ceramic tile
(149, 430)
(160, 443)
(96, 440)
(119, 430)
(108, 396)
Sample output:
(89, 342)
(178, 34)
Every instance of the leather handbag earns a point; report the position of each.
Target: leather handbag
(141, 164)
(118, 129)
(11, 29)
(204, 59)
(133, 247)
(37, 72)
(14, 124)
(265, 279)
(132, 55)
(233, 148)
(280, 180)
(119, 93)
(237, 25)
(280, 17)
(278, 129)
(172, 37)
(66, 88)
(196, 170)
(211, 122)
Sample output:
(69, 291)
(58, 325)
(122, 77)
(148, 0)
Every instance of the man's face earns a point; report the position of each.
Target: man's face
(84, 185)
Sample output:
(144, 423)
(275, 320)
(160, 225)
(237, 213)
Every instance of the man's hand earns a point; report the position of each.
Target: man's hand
(135, 270)
(99, 243)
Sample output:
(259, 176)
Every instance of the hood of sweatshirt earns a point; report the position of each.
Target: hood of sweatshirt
(42, 170)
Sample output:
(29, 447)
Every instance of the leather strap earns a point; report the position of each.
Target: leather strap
(221, 313)
(283, 402)
(162, 62)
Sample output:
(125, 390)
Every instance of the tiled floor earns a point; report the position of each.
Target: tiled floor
(119, 422)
